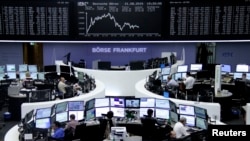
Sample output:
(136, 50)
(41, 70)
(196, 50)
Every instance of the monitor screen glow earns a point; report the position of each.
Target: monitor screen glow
(43, 123)
(22, 75)
(174, 117)
(201, 123)
(118, 112)
(61, 107)
(11, 67)
(190, 120)
(2, 76)
(186, 109)
(182, 68)
(132, 103)
(237, 75)
(90, 114)
(200, 112)
(241, 68)
(101, 102)
(79, 115)
(164, 78)
(90, 104)
(162, 103)
(161, 113)
(196, 67)
(117, 102)
(225, 68)
(33, 75)
(12, 75)
(177, 76)
(147, 102)
(62, 117)
(101, 110)
(43, 113)
(76, 105)
(165, 71)
(144, 112)
(41, 75)
(32, 68)
(2, 69)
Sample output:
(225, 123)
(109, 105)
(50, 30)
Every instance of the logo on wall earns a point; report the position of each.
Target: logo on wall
(227, 54)
(118, 50)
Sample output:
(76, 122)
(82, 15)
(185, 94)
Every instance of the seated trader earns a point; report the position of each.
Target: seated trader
(179, 128)
(106, 124)
(189, 83)
(28, 80)
(171, 83)
(149, 129)
(58, 132)
(70, 127)
(61, 86)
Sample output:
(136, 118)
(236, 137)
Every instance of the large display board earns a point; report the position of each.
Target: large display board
(158, 20)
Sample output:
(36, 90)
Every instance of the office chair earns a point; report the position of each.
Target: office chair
(240, 93)
(69, 92)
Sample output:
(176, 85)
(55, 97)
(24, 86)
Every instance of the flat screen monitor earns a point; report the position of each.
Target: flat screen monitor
(165, 71)
(195, 67)
(241, 68)
(177, 76)
(28, 116)
(144, 111)
(164, 78)
(65, 69)
(101, 110)
(50, 68)
(43, 123)
(172, 106)
(43, 113)
(90, 104)
(32, 68)
(41, 76)
(62, 117)
(225, 68)
(184, 75)
(118, 112)
(190, 120)
(101, 102)
(201, 123)
(182, 68)
(12, 75)
(80, 76)
(33, 75)
(2, 76)
(173, 116)
(117, 102)
(79, 115)
(61, 107)
(186, 109)
(162, 103)
(22, 75)
(200, 112)
(23, 68)
(11, 67)
(2, 69)
(147, 102)
(237, 75)
(132, 103)
(248, 76)
(90, 114)
(161, 113)
(76, 105)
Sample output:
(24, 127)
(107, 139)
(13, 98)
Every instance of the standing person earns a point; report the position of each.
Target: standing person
(179, 128)
(189, 84)
(106, 124)
(171, 82)
(61, 87)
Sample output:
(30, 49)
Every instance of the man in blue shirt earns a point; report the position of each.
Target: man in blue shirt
(58, 131)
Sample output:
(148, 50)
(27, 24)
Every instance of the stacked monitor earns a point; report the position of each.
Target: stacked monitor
(165, 72)
(102, 106)
(117, 105)
(187, 111)
(145, 104)
(11, 71)
(43, 118)
(162, 109)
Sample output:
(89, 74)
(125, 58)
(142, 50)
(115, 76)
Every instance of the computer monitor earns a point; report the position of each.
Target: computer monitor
(101, 110)
(12, 75)
(23, 68)
(65, 69)
(90, 104)
(248, 76)
(173, 116)
(41, 76)
(147, 102)
(101, 102)
(225, 68)
(90, 114)
(182, 68)
(32, 68)
(118, 111)
(80, 76)
(177, 76)
(165, 71)
(164, 78)
(201, 123)
(144, 111)
(190, 120)
(76, 105)
(162, 103)
(28, 116)
(172, 106)
(161, 113)
(195, 67)
(237, 75)
(186, 109)
(200, 112)
(242, 68)
(62, 117)
(79, 115)
(183, 75)
(33, 75)
(2, 76)
(50, 68)
(43, 123)
(61, 107)
(2, 69)
(117, 102)
(43, 112)
(11, 67)
(22, 75)
(132, 103)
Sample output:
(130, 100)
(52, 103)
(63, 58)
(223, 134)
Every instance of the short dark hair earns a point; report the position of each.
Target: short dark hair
(57, 123)
(110, 114)
(72, 116)
(188, 73)
(150, 112)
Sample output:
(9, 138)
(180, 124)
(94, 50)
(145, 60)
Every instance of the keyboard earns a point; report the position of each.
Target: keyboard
(191, 130)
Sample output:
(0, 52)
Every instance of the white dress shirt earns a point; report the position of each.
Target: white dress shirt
(189, 82)
(172, 83)
(180, 130)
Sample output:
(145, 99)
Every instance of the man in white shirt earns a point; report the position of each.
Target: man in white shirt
(189, 83)
(171, 82)
(179, 128)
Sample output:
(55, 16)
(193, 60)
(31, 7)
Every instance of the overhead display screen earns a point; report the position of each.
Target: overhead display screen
(111, 20)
